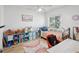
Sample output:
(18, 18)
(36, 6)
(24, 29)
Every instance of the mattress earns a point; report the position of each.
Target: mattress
(66, 46)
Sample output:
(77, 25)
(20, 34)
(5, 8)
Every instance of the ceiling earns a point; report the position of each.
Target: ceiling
(45, 8)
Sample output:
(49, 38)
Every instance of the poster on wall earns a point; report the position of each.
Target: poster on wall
(27, 18)
(52, 22)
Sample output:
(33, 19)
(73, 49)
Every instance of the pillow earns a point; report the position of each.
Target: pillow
(44, 28)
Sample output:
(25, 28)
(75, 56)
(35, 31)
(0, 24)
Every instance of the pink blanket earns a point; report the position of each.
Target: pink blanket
(58, 35)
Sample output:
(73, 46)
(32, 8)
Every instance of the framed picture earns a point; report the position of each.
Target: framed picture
(54, 21)
(27, 18)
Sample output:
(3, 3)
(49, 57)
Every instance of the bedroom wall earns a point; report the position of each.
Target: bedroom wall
(1, 23)
(13, 17)
(66, 14)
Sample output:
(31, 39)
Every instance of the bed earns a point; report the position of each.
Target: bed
(61, 35)
(66, 46)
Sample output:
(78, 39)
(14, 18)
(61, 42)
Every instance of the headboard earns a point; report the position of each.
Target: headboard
(66, 34)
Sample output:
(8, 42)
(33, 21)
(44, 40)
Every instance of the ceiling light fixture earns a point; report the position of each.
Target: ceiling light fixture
(40, 9)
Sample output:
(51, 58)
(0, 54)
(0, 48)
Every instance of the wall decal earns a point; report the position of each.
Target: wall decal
(75, 17)
(27, 18)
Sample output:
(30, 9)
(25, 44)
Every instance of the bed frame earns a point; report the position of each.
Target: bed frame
(75, 32)
(66, 34)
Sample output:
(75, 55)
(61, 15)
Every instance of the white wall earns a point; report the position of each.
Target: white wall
(1, 15)
(1, 23)
(66, 14)
(13, 17)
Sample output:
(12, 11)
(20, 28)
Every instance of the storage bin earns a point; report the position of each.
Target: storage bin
(30, 35)
(25, 37)
(16, 38)
(21, 38)
(10, 37)
(10, 43)
(7, 40)
(34, 35)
